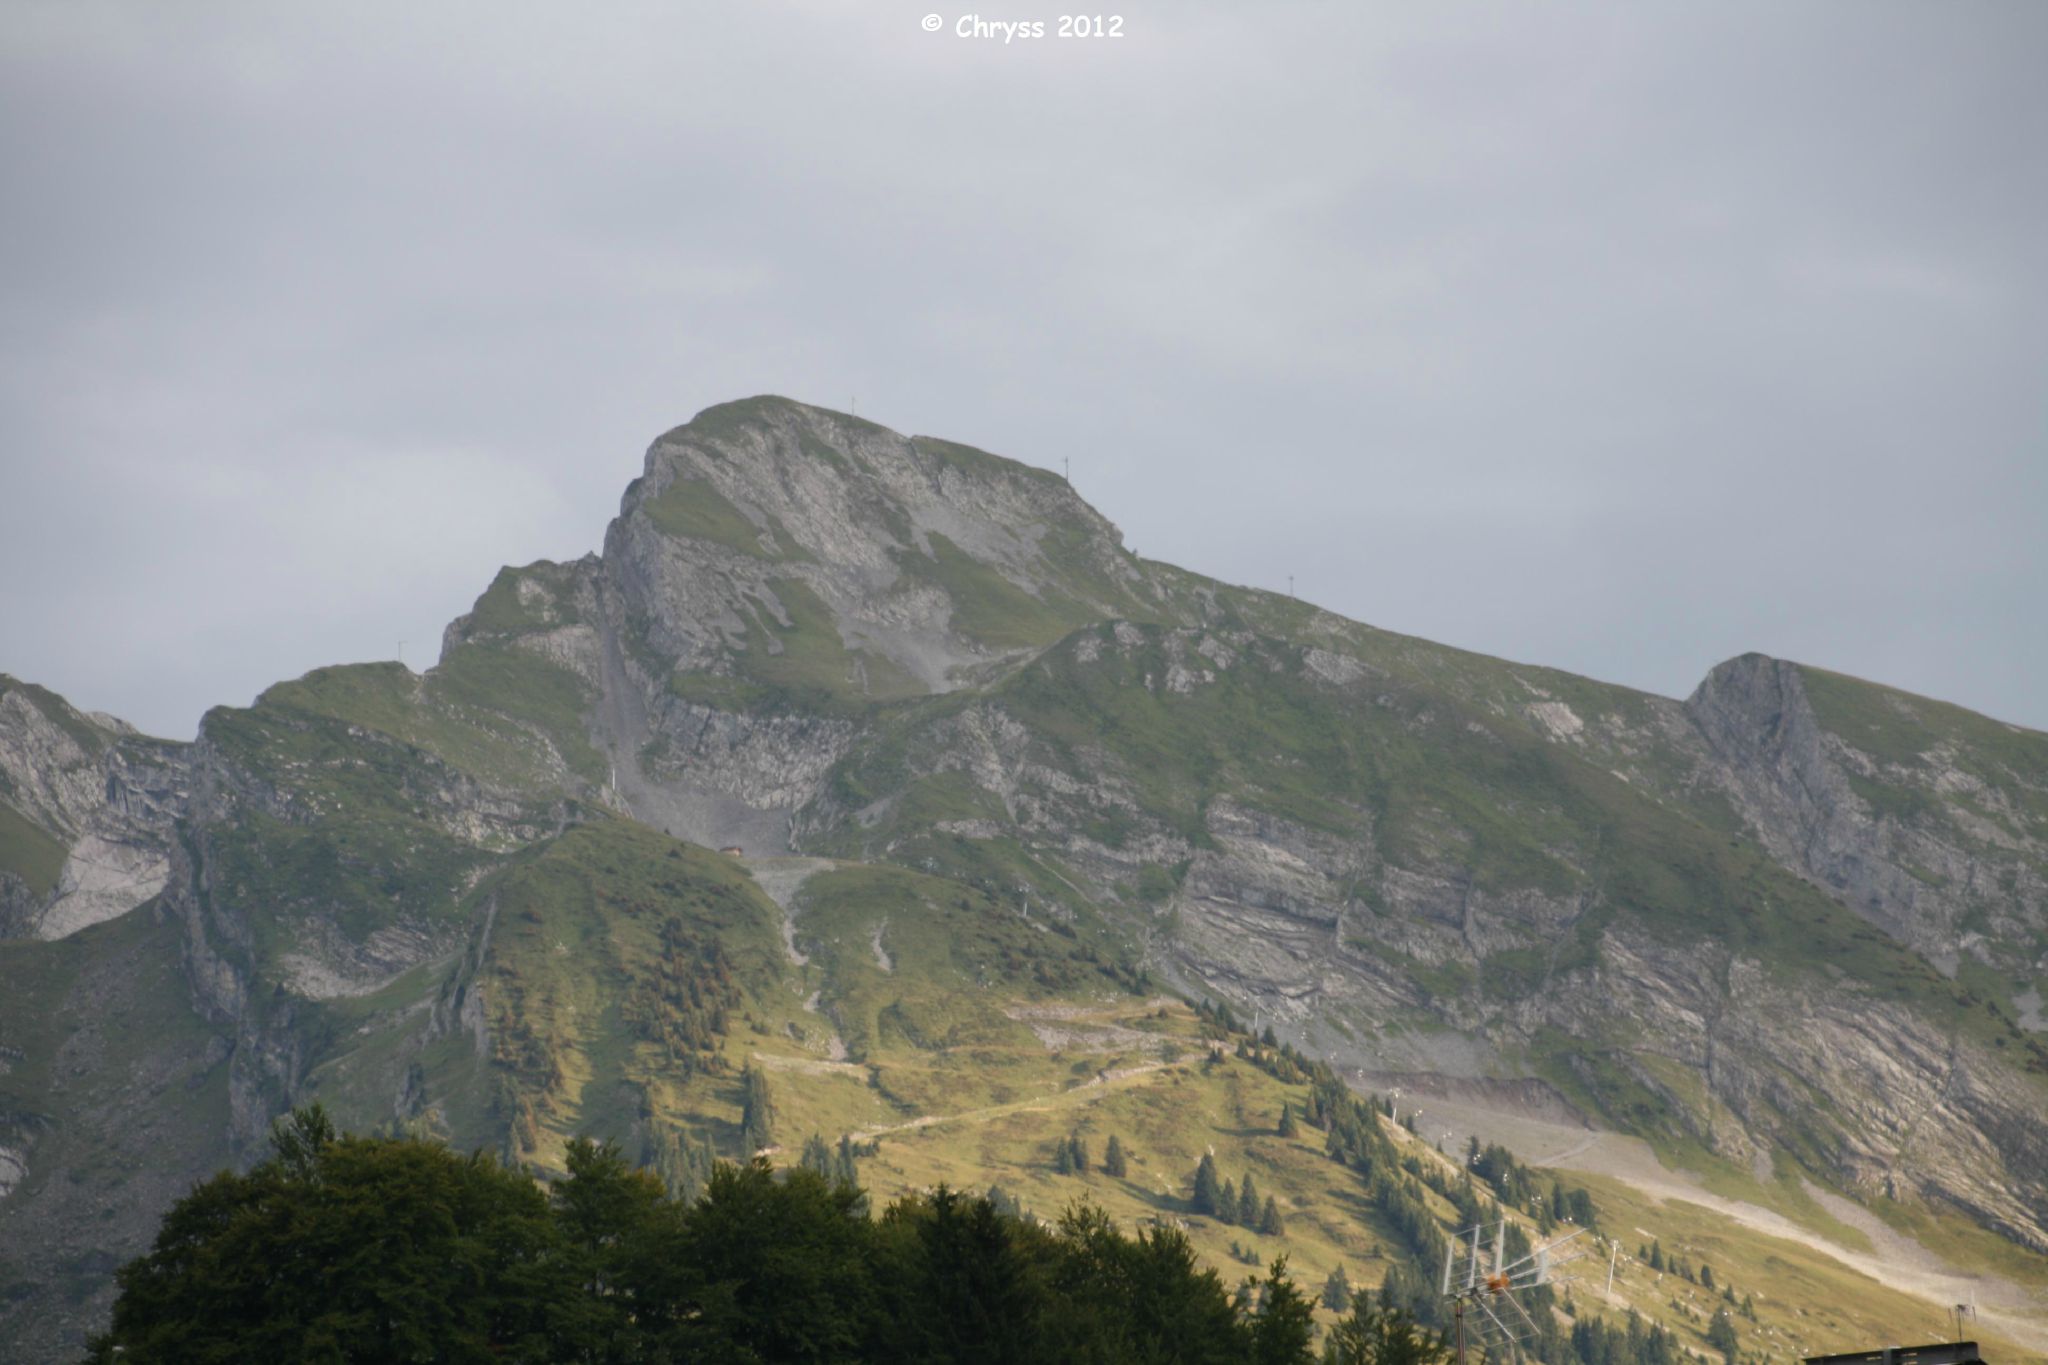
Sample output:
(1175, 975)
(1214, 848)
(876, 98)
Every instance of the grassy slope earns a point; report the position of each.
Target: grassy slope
(94, 1026)
(29, 851)
(506, 716)
(983, 1041)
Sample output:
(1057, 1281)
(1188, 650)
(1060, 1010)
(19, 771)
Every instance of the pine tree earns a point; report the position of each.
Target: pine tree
(1248, 1205)
(1080, 1149)
(1208, 1192)
(1722, 1337)
(1706, 1276)
(1113, 1163)
(1270, 1224)
(1063, 1158)
(1288, 1128)
(757, 1109)
(1226, 1203)
(1285, 1321)
(1337, 1291)
(1373, 1335)
(817, 1156)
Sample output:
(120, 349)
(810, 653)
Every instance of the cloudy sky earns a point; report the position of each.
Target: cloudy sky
(1620, 338)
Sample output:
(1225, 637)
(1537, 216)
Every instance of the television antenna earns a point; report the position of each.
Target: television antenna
(1481, 1277)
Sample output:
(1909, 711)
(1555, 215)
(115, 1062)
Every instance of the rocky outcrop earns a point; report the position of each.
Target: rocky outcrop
(109, 797)
(1912, 851)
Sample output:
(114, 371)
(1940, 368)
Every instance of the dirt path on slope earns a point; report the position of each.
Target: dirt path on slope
(1094, 1088)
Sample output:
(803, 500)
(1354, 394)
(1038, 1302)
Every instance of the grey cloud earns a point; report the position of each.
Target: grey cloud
(1620, 340)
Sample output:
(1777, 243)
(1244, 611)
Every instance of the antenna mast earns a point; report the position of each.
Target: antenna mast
(1489, 1281)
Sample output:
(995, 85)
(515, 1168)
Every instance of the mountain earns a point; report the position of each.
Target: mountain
(997, 784)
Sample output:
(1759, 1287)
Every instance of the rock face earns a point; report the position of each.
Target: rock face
(91, 787)
(1794, 919)
(1921, 817)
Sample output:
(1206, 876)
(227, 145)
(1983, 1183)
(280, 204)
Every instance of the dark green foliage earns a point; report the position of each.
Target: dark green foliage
(1270, 1222)
(1004, 1202)
(683, 1003)
(1337, 1291)
(1248, 1203)
(757, 1111)
(682, 1162)
(1373, 1335)
(1114, 1163)
(764, 1268)
(1721, 1335)
(1407, 1290)
(1208, 1196)
(1595, 1342)
(389, 1249)
(343, 1249)
(1287, 1127)
(1284, 1326)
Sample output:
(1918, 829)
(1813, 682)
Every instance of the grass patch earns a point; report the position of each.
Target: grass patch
(29, 851)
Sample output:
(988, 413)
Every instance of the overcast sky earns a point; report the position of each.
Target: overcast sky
(1623, 338)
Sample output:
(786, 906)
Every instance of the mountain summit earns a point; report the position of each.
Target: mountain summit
(981, 763)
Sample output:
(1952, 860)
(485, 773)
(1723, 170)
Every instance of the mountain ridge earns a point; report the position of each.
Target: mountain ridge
(1791, 927)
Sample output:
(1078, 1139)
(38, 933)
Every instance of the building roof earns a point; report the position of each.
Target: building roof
(1939, 1353)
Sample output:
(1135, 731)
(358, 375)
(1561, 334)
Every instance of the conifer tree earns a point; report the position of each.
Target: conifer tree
(1248, 1203)
(1285, 1323)
(1080, 1150)
(1722, 1337)
(1226, 1203)
(1337, 1291)
(757, 1108)
(1270, 1224)
(1113, 1162)
(1208, 1191)
(1376, 1335)
(1063, 1157)
(1287, 1128)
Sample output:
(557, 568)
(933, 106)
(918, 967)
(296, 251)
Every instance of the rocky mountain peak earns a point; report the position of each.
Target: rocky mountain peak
(927, 560)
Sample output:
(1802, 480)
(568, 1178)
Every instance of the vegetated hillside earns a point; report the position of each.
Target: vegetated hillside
(988, 767)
